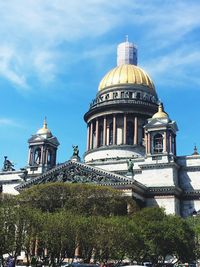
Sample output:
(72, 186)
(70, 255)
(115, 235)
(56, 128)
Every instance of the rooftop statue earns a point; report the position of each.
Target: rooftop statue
(130, 165)
(24, 174)
(7, 165)
(76, 151)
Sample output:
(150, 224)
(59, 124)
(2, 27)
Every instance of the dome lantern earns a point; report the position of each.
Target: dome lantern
(126, 53)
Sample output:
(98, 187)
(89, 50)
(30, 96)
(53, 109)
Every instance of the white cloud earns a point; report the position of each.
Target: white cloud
(178, 67)
(166, 22)
(35, 29)
(10, 67)
(44, 63)
(36, 32)
(8, 122)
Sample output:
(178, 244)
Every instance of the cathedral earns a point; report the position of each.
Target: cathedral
(131, 146)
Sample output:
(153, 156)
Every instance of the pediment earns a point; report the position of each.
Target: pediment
(156, 122)
(38, 138)
(77, 172)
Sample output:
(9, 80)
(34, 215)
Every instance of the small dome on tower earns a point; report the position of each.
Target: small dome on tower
(44, 130)
(161, 114)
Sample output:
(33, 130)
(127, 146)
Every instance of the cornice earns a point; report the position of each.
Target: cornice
(159, 165)
(190, 168)
(164, 191)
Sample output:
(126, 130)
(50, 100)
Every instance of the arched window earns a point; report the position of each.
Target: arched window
(158, 143)
(129, 133)
(100, 135)
(37, 156)
(49, 157)
(111, 133)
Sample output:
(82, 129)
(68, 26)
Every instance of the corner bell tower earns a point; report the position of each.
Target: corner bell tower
(42, 151)
(160, 136)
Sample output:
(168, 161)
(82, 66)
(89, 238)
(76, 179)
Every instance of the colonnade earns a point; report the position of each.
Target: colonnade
(112, 129)
(41, 155)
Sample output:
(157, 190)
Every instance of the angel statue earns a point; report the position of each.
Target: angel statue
(76, 151)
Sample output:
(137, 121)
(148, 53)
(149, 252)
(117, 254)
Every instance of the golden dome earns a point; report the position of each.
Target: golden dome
(160, 114)
(44, 130)
(126, 74)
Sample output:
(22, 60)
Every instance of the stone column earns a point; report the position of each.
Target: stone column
(97, 133)
(149, 143)
(146, 143)
(108, 133)
(88, 137)
(114, 129)
(170, 143)
(46, 158)
(125, 128)
(136, 132)
(104, 130)
(91, 135)
(42, 155)
(29, 156)
(165, 142)
(175, 145)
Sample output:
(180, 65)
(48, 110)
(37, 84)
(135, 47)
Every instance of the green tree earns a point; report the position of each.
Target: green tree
(111, 238)
(29, 225)
(194, 223)
(59, 236)
(7, 228)
(164, 235)
(178, 239)
(78, 198)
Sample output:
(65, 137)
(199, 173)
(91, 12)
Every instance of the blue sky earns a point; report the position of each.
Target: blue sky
(53, 54)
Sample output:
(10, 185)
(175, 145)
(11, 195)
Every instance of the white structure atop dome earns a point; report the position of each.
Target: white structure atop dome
(126, 53)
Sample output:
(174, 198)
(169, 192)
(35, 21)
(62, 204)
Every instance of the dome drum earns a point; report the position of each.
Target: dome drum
(122, 132)
(123, 95)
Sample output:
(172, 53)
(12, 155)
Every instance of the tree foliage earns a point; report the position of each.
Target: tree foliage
(164, 235)
(52, 221)
(78, 198)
